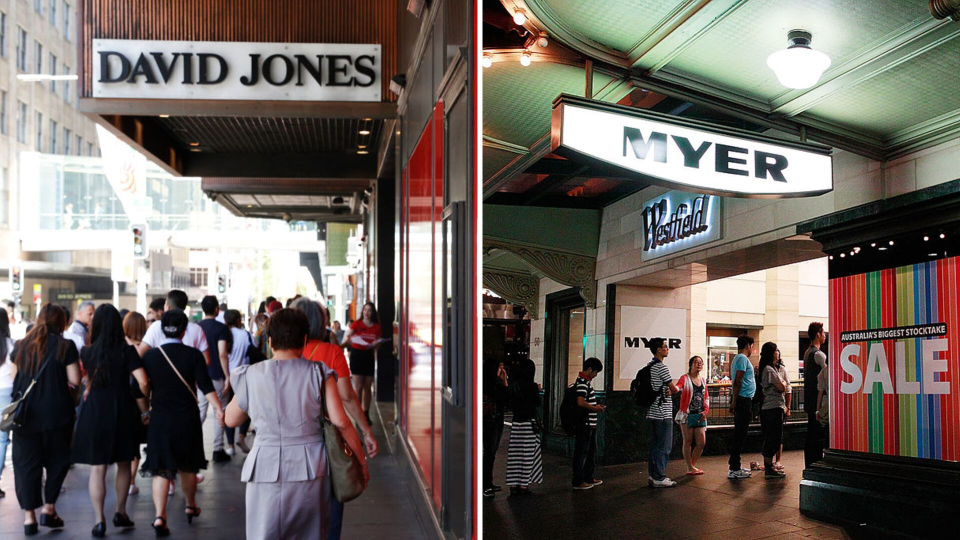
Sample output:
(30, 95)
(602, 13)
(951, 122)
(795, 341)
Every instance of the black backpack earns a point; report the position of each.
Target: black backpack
(571, 414)
(642, 388)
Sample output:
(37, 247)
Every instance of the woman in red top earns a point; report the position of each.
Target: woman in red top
(692, 416)
(363, 337)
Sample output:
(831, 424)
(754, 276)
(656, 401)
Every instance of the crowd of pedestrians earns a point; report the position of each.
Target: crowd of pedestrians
(764, 391)
(96, 391)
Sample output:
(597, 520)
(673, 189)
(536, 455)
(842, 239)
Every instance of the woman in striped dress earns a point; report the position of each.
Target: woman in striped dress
(524, 465)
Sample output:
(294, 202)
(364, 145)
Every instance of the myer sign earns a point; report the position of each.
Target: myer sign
(676, 221)
(638, 325)
(227, 70)
(686, 154)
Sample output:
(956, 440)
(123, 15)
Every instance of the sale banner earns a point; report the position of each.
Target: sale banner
(895, 359)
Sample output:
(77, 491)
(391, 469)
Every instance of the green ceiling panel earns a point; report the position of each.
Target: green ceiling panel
(518, 101)
(616, 24)
(495, 159)
(734, 53)
(913, 92)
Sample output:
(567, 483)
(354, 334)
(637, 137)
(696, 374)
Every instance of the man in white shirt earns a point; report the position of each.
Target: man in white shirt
(77, 333)
(193, 337)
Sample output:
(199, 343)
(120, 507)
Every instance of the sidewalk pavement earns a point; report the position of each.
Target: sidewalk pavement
(703, 507)
(385, 510)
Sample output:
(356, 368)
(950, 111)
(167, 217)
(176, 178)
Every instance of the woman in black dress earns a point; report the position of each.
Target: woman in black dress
(109, 420)
(43, 441)
(175, 436)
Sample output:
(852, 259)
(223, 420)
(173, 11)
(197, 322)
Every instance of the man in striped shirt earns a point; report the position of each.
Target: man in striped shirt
(660, 415)
(586, 436)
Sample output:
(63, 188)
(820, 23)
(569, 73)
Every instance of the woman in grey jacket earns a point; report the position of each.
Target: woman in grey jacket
(288, 484)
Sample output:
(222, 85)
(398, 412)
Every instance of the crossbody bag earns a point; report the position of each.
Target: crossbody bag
(14, 415)
(179, 376)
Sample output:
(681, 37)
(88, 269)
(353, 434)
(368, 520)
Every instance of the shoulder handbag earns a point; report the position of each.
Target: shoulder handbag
(179, 376)
(254, 354)
(346, 474)
(14, 415)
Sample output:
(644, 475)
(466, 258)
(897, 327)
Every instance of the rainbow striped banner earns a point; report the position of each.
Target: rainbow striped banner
(912, 412)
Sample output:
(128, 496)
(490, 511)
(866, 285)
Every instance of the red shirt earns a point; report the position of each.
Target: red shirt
(363, 335)
(329, 355)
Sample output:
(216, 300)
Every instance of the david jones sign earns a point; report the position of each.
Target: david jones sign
(675, 153)
(227, 70)
(677, 221)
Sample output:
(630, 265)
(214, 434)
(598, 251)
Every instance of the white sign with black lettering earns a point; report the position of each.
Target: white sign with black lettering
(692, 156)
(638, 325)
(143, 69)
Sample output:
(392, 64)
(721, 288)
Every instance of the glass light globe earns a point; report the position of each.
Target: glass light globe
(798, 66)
(519, 18)
(486, 61)
(525, 59)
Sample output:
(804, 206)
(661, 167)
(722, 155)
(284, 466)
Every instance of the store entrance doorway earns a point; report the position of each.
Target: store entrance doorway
(563, 355)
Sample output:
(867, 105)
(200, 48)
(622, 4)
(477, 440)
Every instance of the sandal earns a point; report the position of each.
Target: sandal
(160, 530)
(193, 512)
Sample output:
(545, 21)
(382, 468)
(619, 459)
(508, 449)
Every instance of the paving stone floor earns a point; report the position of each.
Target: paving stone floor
(703, 507)
(385, 510)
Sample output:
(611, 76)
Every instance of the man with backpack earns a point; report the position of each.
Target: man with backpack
(660, 414)
(586, 430)
(741, 403)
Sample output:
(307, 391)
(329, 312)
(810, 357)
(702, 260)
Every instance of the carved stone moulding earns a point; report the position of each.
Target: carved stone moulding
(563, 267)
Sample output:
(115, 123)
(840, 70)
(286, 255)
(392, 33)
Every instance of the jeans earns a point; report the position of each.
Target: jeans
(231, 432)
(813, 447)
(336, 519)
(661, 443)
(6, 398)
(492, 434)
(217, 430)
(741, 422)
(584, 450)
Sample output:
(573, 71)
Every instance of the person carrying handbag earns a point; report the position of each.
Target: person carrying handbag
(322, 459)
(44, 364)
(692, 416)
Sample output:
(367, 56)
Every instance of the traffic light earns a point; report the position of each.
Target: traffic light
(139, 241)
(16, 279)
(221, 283)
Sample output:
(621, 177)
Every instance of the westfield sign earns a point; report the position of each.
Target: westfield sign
(694, 156)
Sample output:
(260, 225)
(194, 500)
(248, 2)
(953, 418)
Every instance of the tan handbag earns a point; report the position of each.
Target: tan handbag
(346, 473)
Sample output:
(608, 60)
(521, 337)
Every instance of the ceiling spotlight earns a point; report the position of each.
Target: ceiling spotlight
(881, 249)
(926, 238)
(361, 146)
(891, 242)
(798, 66)
(842, 255)
(932, 254)
(874, 244)
(856, 250)
(542, 41)
(525, 59)
(196, 150)
(486, 61)
(364, 131)
(831, 257)
(363, 152)
(194, 144)
(852, 253)
(164, 116)
(942, 236)
(519, 17)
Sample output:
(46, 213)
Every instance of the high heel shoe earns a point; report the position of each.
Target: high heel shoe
(99, 530)
(122, 521)
(161, 529)
(30, 529)
(194, 512)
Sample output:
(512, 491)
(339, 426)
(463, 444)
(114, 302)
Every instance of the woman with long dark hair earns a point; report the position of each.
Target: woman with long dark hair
(364, 338)
(773, 409)
(43, 440)
(524, 464)
(6, 383)
(108, 426)
(692, 416)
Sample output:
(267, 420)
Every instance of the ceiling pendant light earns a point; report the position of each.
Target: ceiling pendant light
(798, 66)
(525, 59)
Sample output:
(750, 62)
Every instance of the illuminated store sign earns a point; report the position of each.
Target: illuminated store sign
(677, 221)
(685, 154)
(217, 70)
(638, 325)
